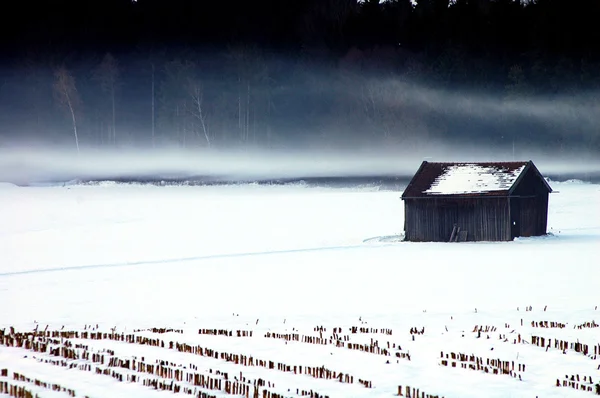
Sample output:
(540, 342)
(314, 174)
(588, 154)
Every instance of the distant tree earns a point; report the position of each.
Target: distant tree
(390, 114)
(517, 86)
(67, 96)
(254, 96)
(516, 90)
(197, 109)
(153, 95)
(149, 58)
(107, 73)
(325, 23)
(175, 98)
(35, 87)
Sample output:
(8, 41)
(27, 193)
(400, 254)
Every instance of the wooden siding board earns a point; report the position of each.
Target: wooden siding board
(533, 215)
(433, 220)
(513, 225)
(542, 214)
(528, 216)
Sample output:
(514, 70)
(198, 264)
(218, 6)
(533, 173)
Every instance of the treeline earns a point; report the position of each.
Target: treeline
(293, 73)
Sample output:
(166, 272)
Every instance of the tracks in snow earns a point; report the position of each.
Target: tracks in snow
(194, 258)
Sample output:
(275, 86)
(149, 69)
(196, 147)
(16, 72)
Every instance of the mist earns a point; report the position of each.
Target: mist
(575, 113)
(325, 89)
(23, 166)
(387, 127)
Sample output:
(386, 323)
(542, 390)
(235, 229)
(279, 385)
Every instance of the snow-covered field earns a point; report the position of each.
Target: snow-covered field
(321, 270)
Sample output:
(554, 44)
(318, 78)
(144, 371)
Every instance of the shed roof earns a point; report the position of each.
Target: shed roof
(467, 179)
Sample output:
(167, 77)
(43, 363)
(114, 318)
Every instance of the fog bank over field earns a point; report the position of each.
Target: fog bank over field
(297, 90)
(34, 165)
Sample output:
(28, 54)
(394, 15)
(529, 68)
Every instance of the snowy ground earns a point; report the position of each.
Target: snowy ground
(287, 260)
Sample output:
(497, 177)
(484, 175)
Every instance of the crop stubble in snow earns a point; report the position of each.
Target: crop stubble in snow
(317, 310)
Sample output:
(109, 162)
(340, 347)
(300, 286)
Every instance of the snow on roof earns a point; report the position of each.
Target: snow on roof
(470, 178)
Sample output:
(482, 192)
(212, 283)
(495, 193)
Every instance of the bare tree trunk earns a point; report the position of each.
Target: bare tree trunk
(247, 127)
(269, 105)
(177, 129)
(200, 114)
(74, 120)
(114, 129)
(240, 107)
(254, 124)
(66, 93)
(153, 114)
(107, 74)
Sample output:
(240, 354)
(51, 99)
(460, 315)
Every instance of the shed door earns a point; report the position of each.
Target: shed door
(515, 217)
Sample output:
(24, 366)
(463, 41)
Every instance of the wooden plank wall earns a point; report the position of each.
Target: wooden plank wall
(534, 215)
(532, 195)
(432, 220)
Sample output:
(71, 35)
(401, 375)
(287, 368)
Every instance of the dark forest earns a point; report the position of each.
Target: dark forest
(302, 74)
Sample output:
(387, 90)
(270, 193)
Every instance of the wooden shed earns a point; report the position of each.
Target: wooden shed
(494, 201)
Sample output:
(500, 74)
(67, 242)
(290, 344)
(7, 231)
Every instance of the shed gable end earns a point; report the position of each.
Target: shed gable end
(530, 183)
